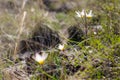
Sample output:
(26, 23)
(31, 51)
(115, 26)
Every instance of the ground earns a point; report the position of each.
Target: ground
(92, 45)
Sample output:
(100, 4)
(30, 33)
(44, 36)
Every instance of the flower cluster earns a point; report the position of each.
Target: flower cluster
(83, 13)
(40, 57)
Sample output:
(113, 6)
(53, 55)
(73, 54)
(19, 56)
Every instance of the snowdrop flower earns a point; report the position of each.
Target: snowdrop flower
(40, 57)
(61, 47)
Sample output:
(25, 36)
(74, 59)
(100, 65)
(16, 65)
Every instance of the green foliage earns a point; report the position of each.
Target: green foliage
(98, 55)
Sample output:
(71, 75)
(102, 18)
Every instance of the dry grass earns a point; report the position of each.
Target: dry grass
(101, 60)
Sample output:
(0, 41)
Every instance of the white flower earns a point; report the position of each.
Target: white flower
(83, 13)
(40, 57)
(90, 51)
(89, 14)
(95, 33)
(61, 47)
(80, 14)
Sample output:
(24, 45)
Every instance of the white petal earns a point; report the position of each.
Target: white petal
(38, 57)
(89, 14)
(95, 32)
(78, 14)
(83, 13)
(90, 51)
(61, 47)
(44, 56)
